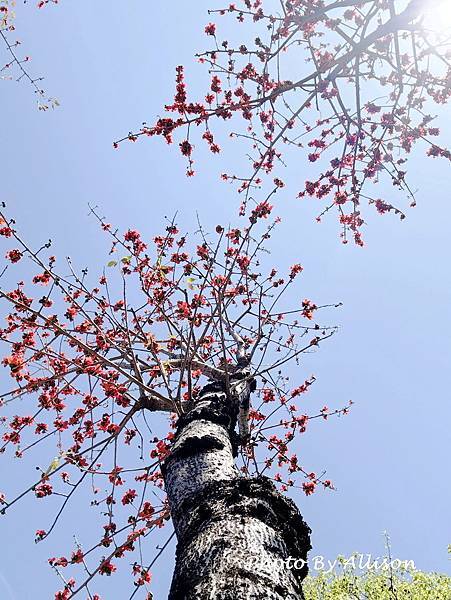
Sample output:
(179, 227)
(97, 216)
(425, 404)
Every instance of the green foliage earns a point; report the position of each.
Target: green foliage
(394, 580)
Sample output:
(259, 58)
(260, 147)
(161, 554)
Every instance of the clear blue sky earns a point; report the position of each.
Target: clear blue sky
(111, 65)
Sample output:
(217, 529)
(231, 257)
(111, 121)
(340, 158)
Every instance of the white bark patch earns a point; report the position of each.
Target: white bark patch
(189, 474)
(239, 558)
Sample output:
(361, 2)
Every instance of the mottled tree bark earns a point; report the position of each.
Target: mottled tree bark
(234, 534)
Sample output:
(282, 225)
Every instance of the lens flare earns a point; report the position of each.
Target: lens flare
(437, 15)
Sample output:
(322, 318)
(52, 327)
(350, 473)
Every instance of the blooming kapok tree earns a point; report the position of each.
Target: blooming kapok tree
(199, 335)
(165, 330)
(344, 86)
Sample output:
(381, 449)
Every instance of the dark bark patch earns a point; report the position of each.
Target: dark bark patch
(216, 408)
(250, 498)
(278, 589)
(195, 445)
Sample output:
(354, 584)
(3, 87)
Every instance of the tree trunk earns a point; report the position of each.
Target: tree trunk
(234, 534)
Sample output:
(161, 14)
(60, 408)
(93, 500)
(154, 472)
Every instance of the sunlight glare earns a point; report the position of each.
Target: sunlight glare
(437, 15)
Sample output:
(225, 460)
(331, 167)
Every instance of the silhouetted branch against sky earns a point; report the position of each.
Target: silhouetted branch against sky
(348, 86)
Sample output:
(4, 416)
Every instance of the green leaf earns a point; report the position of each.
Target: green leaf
(53, 465)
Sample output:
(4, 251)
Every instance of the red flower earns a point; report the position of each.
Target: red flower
(42, 278)
(382, 207)
(183, 310)
(132, 235)
(14, 255)
(43, 489)
(107, 568)
(309, 488)
(40, 535)
(307, 309)
(186, 148)
(210, 29)
(146, 577)
(215, 84)
(234, 235)
(77, 557)
(146, 511)
(244, 262)
(295, 269)
(268, 395)
(262, 210)
(128, 497)
(161, 451)
(202, 252)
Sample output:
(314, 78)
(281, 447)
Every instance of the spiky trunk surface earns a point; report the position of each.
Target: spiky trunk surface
(234, 534)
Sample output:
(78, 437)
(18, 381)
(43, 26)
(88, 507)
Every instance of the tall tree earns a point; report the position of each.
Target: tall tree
(179, 332)
(194, 330)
